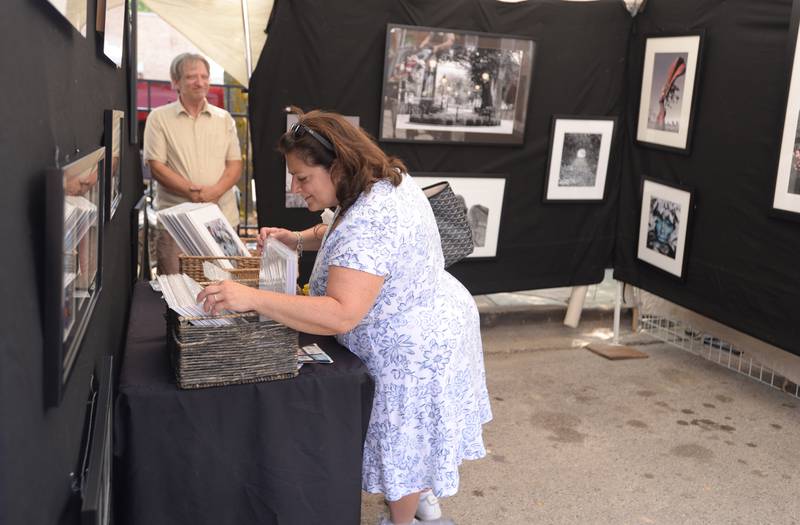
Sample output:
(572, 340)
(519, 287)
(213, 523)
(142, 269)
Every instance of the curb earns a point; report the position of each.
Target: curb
(492, 316)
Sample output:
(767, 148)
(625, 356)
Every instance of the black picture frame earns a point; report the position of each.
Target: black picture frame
(113, 139)
(665, 210)
(420, 104)
(96, 475)
(579, 159)
(140, 242)
(786, 194)
(75, 196)
(482, 193)
(673, 62)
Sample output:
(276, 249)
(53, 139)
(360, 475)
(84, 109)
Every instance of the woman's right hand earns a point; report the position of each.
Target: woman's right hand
(287, 237)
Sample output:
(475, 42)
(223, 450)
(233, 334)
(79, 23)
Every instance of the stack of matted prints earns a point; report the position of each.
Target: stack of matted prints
(201, 229)
(180, 291)
(278, 268)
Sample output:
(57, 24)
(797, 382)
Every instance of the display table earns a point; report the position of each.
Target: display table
(282, 452)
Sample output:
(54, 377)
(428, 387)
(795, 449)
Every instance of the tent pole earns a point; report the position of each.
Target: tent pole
(248, 57)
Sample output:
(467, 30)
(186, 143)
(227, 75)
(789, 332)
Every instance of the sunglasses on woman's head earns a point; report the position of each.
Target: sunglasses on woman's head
(298, 130)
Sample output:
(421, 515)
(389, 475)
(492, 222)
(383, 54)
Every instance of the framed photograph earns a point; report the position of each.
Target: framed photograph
(73, 262)
(113, 142)
(664, 226)
(110, 21)
(580, 148)
(669, 83)
(97, 458)
(140, 240)
(292, 199)
(786, 200)
(483, 200)
(75, 11)
(453, 86)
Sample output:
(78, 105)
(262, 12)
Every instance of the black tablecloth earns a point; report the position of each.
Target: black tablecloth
(286, 452)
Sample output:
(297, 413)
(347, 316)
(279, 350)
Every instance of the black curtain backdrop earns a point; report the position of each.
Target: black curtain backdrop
(56, 85)
(329, 55)
(742, 262)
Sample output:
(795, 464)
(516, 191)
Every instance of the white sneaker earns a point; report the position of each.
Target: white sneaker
(386, 521)
(428, 508)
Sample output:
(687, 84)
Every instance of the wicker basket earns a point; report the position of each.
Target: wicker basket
(245, 269)
(250, 352)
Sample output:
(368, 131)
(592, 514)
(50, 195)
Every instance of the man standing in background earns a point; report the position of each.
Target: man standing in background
(192, 150)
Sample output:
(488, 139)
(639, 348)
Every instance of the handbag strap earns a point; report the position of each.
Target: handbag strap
(435, 189)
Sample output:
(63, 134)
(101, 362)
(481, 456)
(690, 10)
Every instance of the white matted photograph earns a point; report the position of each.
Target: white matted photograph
(294, 200)
(580, 149)
(664, 226)
(669, 82)
(787, 182)
(483, 201)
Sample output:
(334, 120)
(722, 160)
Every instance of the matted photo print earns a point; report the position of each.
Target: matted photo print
(787, 181)
(664, 226)
(669, 82)
(75, 195)
(580, 149)
(483, 201)
(453, 86)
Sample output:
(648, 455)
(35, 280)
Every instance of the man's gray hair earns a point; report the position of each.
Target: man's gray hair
(176, 68)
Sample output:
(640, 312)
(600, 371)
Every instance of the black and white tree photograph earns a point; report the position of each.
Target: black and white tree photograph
(579, 159)
(580, 148)
(455, 86)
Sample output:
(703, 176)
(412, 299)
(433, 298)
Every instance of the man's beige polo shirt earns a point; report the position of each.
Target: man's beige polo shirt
(194, 147)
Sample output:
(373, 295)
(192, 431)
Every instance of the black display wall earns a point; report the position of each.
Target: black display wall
(56, 85)
(329, 55)
(742, 262)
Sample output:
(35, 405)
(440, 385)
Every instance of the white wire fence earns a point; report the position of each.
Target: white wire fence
(715, 350)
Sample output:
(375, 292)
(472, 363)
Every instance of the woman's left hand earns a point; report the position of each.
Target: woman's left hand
(227, 295)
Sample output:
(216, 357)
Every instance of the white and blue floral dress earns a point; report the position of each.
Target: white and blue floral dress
(420, 341)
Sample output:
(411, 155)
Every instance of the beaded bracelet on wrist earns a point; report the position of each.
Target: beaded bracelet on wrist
(299, 248)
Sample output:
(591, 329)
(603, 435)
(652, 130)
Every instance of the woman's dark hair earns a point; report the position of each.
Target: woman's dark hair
(355, 162)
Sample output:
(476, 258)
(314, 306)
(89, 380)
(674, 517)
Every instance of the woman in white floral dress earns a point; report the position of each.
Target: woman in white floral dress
(380, 286)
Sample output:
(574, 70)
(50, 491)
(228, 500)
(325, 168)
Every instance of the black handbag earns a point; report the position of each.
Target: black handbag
(451, 218)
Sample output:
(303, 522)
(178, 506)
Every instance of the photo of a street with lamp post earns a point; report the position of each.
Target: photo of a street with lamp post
(455, 86)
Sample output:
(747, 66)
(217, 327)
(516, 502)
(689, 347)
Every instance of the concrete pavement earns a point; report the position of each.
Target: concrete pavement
(671, 439)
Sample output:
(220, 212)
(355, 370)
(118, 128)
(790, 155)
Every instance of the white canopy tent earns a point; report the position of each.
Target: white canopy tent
(219, 29)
